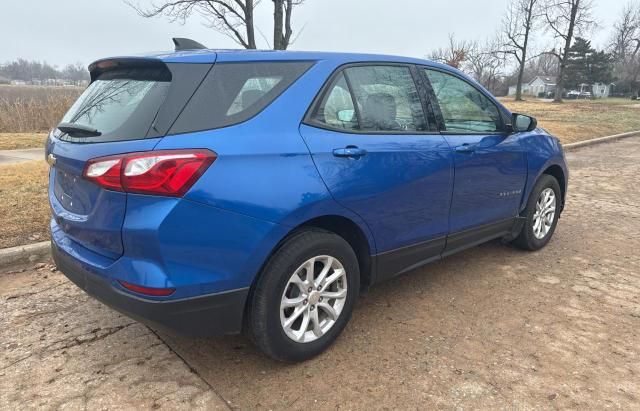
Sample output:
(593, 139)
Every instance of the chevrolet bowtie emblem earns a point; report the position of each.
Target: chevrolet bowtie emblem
(51, 159)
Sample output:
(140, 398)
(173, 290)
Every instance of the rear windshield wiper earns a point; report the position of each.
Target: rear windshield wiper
(78, 130)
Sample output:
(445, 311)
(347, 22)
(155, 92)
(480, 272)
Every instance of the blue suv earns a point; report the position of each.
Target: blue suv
(217, 191)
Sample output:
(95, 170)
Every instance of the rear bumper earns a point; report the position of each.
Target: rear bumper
(208, 315)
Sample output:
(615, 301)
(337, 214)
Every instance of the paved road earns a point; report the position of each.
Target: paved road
(18, 156)
(493, 327)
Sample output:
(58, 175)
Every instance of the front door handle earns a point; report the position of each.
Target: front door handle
(466, 148)
(349, 151)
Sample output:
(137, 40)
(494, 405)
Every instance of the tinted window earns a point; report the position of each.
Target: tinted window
(252, 90)
(463, 107)
(336, 109)
(387, 98)
(234, 92)
(120, 104)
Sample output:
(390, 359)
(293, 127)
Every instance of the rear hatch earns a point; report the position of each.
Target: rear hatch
(128, 107)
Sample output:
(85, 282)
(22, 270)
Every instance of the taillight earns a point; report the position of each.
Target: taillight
(167, 172)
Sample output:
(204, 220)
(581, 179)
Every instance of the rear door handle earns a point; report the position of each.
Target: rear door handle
(349, 151)
(466, 148)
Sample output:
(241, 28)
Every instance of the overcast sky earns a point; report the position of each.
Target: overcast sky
(67, 31)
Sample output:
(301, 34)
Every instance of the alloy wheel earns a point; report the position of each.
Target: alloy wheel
(544, 214)
(313, 299)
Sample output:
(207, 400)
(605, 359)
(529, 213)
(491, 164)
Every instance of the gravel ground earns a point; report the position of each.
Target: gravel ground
(493, 327)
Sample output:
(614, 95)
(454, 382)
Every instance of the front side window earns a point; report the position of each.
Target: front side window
(464, 108)
(387, 99)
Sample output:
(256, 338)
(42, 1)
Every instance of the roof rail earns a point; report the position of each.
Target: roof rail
(186, 44)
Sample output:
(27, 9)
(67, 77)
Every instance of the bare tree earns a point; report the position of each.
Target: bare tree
(282, 31)
(625, 38)
(75, 72)
(485, 62)
(26, 70)
(517, 25)
(625, 47)
(544, 64)
(566, 19)
(454, 55)
(233, 18)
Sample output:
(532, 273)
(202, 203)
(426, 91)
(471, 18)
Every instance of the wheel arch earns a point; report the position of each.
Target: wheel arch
(340, 225)
(353, 234)
(557, 172)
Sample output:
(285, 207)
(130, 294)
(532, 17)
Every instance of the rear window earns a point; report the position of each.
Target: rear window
(234, 92)
(120, 104)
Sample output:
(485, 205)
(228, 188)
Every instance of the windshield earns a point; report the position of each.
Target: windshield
(120, 105)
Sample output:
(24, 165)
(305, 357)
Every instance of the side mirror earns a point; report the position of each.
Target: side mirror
(345, 115)
(520, 122)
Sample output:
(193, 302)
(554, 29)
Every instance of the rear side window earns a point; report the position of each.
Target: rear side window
(386, 100)
(120, 104)
(234, 92)
(336, 109)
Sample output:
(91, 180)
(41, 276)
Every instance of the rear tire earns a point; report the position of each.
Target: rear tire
(296, 318)
(541, 214)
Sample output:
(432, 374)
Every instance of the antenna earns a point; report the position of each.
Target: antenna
(186, 44)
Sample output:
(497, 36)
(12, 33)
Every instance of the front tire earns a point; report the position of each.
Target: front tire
(541, 214)
(304, 297)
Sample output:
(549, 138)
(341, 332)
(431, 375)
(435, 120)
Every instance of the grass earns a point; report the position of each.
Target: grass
(29, 109)
(14, 141)
(28, 112)
(577, 120)
(24, 207)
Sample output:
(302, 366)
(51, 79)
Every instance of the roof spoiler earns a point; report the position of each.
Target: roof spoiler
(186, 44)
(115, 63)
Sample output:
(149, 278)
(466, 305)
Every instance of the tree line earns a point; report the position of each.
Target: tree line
(549, 38)
(29, 71)
(568, 56)
(537, 37)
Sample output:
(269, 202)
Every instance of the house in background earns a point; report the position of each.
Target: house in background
(546, 86)
(598, 90)
(538, 86)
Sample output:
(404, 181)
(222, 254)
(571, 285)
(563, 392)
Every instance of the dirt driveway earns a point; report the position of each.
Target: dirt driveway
(493, 327)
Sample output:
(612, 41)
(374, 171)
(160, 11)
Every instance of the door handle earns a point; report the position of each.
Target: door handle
(466, 148)
(349, 151)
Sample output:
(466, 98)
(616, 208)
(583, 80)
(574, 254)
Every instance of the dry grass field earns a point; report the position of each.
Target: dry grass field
(15, 141)
(28, 109)
(577, 120)
(24, 207)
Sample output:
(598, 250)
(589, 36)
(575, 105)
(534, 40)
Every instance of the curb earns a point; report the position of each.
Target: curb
(14, 257)
(599, 140)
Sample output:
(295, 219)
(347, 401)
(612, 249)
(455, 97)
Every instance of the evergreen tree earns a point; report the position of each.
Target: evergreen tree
(585, 65)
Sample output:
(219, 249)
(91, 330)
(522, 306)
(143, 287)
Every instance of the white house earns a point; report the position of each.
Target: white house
(546, 85)
(601, 90)
(537, 86)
